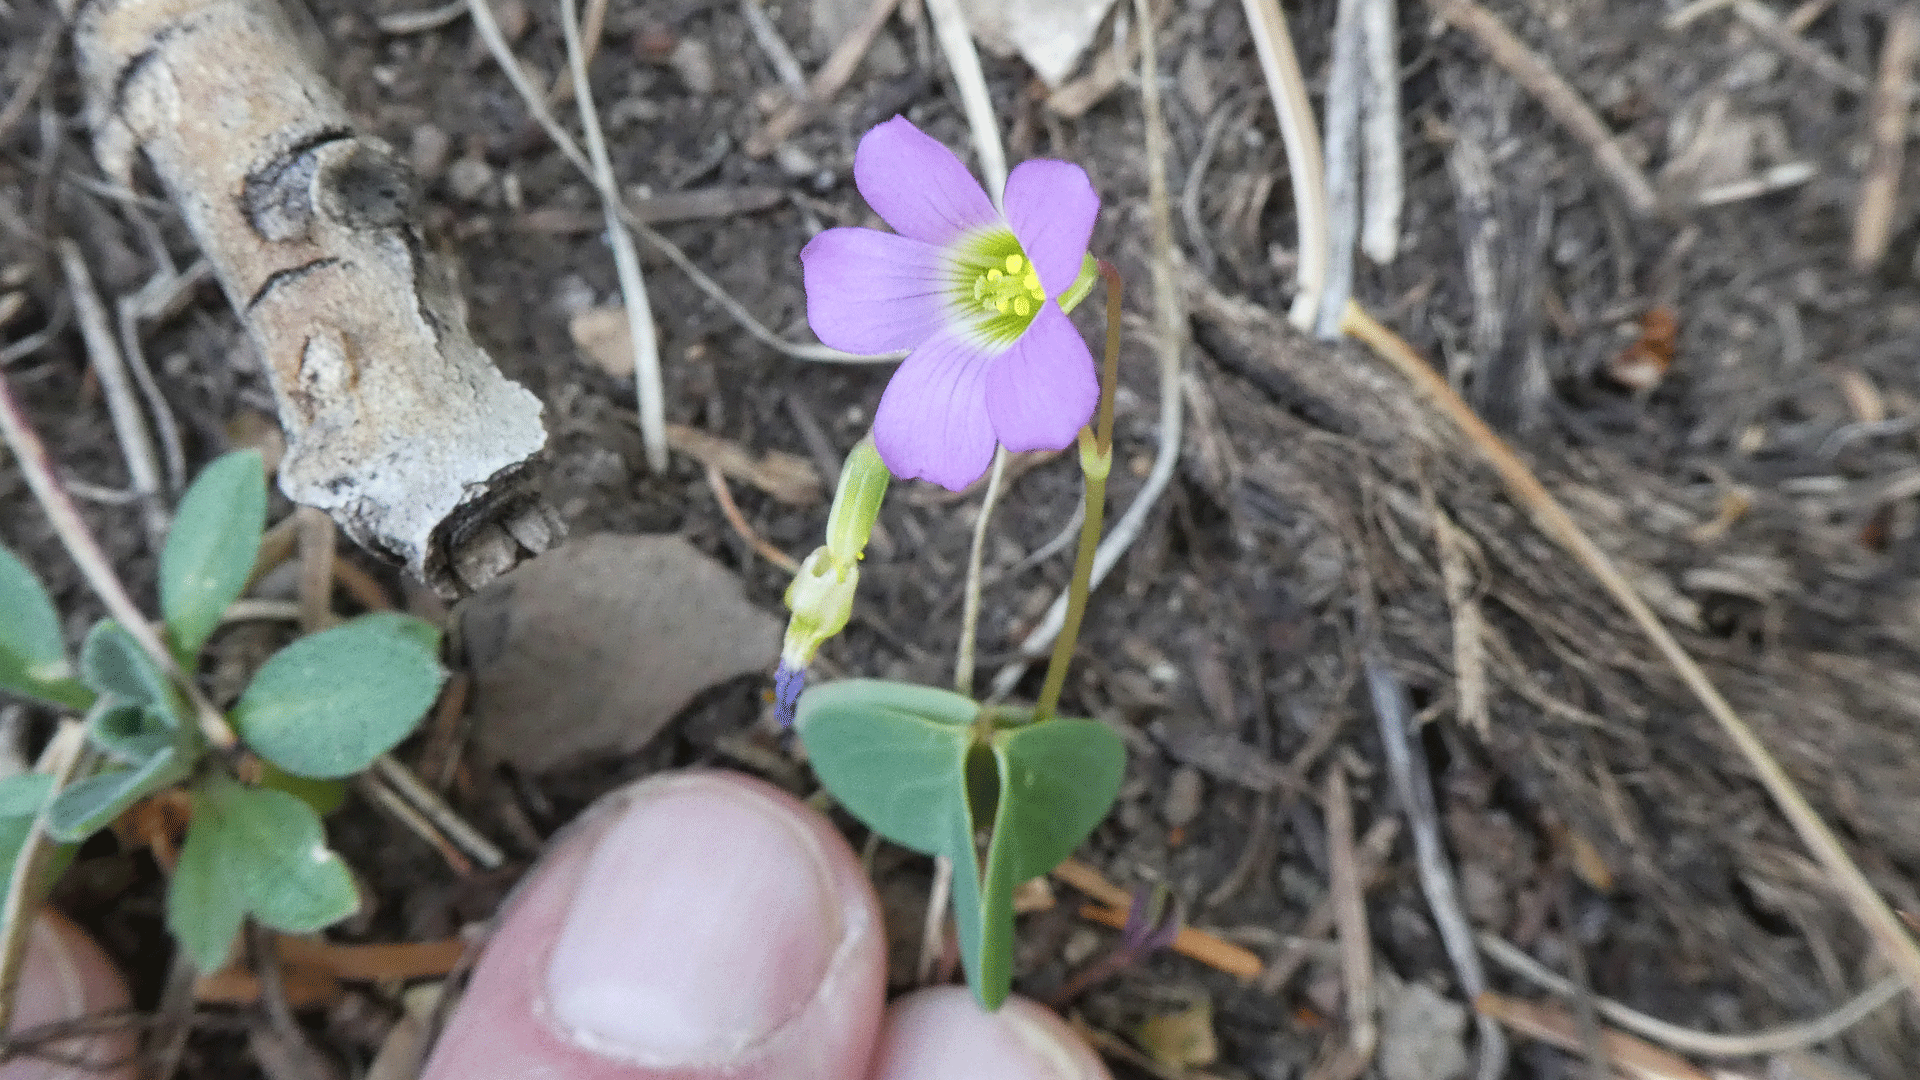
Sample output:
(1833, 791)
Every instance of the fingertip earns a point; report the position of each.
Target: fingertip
(698, 925)
(943, 1034)
(66, 977)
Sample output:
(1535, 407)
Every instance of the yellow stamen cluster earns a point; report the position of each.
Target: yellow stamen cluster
(1014, 290)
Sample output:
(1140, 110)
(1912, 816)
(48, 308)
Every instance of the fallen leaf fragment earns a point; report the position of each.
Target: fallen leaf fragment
(590, 649)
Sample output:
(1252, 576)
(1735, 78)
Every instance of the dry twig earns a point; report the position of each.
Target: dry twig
(717, 482)
(129, 426)
(1634, 1058)
(1413, 784)
(1561, 100)
(1288, 87)
(826, 82)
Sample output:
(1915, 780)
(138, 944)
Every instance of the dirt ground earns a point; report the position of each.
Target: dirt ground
(1762, 493)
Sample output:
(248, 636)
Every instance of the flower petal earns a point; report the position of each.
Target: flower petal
(1043, 390)
(917, 185)
(872, 292)
(1051, 206)
(932, 422)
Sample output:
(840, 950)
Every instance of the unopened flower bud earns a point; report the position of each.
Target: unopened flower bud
(821, 599)
(856, 503)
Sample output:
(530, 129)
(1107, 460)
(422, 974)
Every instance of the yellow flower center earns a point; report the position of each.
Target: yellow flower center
(1014, 290)
(995, 288)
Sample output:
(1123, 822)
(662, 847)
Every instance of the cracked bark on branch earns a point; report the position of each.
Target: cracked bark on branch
(397, 423)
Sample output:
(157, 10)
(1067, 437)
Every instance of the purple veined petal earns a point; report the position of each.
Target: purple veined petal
(1051, 206)
(917, 185)
(932, 422)
(873, 292)
(1042, 391)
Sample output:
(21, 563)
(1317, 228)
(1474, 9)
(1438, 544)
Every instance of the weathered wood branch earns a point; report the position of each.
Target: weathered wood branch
(397, 423)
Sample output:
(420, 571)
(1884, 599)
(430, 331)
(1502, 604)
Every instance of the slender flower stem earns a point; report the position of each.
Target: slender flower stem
(1096, 461)
(970, 608)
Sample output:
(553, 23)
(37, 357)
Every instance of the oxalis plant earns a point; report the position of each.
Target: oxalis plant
(320, 709)
(978, 296)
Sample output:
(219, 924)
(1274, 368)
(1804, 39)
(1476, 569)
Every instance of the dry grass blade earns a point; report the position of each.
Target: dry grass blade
(1344, 890)
(1554, 520)
(649, 389)
(1288, 87)
(1888, 112)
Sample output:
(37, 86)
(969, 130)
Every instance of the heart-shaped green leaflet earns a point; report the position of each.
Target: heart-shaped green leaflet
(904, 759)
(895, 756)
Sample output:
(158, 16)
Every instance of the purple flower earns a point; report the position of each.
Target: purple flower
(972, 292)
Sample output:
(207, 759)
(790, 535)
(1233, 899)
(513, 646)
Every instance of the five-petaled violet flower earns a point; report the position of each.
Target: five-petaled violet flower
(972, 291)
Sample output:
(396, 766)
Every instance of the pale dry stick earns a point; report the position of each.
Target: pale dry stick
(1171, 320)
(767, 36)
(36, 76)
(1762, 20)
(963, 61)
(1413, 784)
(1342, 164)
(976, 556)
(1344, 892)
(826, 82)
(425, 800)
(1795, 1036)
(1561, 101)
(1383, 172)
(649, 389)
(1887, 133)
(384, 797)
(1553, 519)
(496, 42)
(26, 887)
(31, 454)
(722, 494)
(1288, 88)
(129, 426)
